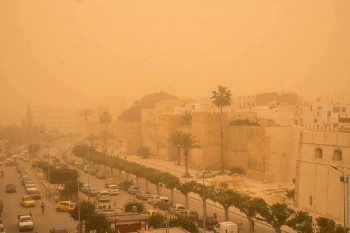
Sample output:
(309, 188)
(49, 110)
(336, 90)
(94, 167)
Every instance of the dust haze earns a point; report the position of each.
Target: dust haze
(77, 53)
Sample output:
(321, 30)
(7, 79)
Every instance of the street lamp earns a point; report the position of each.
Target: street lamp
(204, 209)
(166, 213)
(345, 179)
(120, 148)
(48, 172)
(178, 154)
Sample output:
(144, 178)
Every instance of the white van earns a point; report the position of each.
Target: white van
(226, 227)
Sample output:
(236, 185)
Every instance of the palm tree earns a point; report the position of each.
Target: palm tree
(176, 141)
(105, 119)
(85, 113)
(221, 98)
(188, 142)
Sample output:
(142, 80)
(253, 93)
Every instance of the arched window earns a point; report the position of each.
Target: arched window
(337, 156)
(318, 153)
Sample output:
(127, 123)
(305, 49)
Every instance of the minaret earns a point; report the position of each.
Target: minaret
(29, 118)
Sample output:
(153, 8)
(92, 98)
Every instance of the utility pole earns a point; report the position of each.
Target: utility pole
(345, 180)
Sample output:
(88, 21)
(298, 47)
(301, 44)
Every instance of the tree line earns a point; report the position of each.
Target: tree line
(276, 215)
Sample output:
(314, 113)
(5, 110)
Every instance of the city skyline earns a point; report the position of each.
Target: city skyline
(76, 53)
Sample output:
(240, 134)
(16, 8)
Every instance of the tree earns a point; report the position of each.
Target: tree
(277, 215)
(87, 208)
(188, 142)
(85, 113)
(176, 141)
(221, 98)
(156, 220)
(129, 206)
(251, 207)
(105, 119)
(208, 193)
(185, 189)
(326, 225)
(301, 222)
(225, 197)
(171, 182)
(185, 223)
(98, 222)
(144, 152)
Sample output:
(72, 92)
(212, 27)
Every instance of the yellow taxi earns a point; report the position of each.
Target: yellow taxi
(65, 206)
(27, 201)
(149, 213)
(109, 181)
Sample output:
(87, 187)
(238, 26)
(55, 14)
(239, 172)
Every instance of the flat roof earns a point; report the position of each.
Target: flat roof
(163, 230)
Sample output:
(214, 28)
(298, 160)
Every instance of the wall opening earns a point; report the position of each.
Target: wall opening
(318, 153)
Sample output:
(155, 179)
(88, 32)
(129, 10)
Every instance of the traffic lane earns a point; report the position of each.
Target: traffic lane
(117, 201)
(51, 216)
(196, 204)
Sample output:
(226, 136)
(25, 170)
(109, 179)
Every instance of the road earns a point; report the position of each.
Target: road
(12, 206)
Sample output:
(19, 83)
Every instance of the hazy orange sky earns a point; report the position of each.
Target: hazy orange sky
(77, 52)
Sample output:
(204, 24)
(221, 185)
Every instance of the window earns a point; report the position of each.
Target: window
(337, 156)
(315, 120)
(318, 153)
(336, 109)
(310, 200)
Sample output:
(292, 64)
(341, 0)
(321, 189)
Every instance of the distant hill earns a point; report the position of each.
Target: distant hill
(148, 101)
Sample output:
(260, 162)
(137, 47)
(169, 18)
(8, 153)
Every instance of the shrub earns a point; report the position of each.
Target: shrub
(237, 170)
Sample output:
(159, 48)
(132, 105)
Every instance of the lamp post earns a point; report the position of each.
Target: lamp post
(203, 194)
(178, 154)
(345, 179)
(120, 148)
(79, 218)
(88, 168)
(166, 213)
(48, 172)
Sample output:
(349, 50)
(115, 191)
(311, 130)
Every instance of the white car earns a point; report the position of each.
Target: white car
(113, 189)
(103, 195)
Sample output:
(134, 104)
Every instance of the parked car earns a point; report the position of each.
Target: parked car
(61, 230)
(28, 186)
(101, 175)
(210, 222)
(113, 189)
(65, 206)
(192, 214)
(204, 174)
(27, 201)
(176, 208)
(10, 188)
(143, 195)
(93, 192)
(161, 204)
(125, 185)
(34, 193)
(224, 227)
(109, 181)
(133, 189)
(153, 198)
(85, 188)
